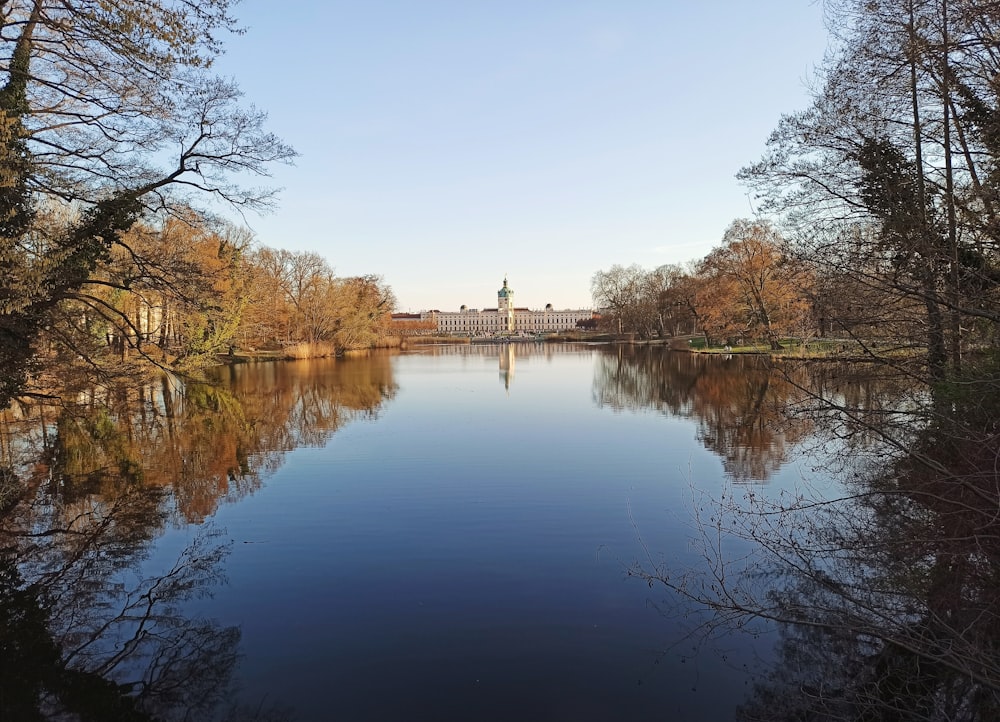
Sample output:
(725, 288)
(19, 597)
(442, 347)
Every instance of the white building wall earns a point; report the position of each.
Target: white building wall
(505, 319)
(491, 322)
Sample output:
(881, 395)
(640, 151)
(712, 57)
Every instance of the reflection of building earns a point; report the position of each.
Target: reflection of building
(504, 320)
(507, 364)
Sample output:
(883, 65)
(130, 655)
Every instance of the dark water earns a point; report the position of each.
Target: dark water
(443, 534)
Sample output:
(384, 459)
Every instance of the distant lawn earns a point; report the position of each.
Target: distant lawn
(816, 348)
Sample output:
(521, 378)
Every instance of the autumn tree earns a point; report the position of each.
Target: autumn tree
(168, 295)
(110, 109)
(362, 310)
(268, 314)
(295, 297)
(754, 287)
(302, 283)
(721, 317)
(187, 284)
(616, 293)
(890, 175)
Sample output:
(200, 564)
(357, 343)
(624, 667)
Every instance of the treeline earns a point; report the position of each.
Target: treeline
(759, 286)
(113, 128)
(190, 289)
(749, 288)
(295, 298)
(886, 191)
(179, 293)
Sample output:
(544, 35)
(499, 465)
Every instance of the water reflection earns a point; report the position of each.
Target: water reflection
(897, 618)
(86, 489)
(885, 588)
(740, 403)
(492, 350)
(86, 633)
(507, 356)
(416, 570)
(911, 600)
(204, 442)
(506, 353)
(750, 411)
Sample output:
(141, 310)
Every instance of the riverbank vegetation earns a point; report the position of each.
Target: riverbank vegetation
(885, 191)
(750, 288)
(296, 302)
(764, 292)
(118, 147)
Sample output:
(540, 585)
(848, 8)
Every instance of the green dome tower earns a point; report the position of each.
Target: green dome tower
(505, 306)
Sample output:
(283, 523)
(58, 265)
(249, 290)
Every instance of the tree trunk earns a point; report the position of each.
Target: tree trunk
(936, 354)
(953, 276)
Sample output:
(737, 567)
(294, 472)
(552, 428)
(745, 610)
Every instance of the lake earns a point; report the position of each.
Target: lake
(443, 534)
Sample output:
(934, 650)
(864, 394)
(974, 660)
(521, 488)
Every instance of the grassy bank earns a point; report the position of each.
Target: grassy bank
(794, 348)
(302, 351)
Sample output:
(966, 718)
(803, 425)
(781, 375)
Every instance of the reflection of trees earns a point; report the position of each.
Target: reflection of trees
(739, 404)
(868, 409)
(889, 595)
(300, 404)
(84, 633)
(202, 442)
(85, 489)
(900, 616)
(749, 411)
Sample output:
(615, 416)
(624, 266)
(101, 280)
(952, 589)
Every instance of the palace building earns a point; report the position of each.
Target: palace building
(504, 320)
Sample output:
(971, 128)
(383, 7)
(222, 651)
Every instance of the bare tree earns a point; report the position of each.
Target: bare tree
(630, 297)
(108, 108)
(889, 176)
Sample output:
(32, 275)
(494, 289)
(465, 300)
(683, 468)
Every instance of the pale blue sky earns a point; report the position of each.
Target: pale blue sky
(444, 144)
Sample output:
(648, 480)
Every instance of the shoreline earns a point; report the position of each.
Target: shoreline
(679, 344)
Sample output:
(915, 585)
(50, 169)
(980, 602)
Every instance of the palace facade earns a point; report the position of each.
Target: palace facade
(504, 320)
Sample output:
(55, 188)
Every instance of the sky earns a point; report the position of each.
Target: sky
(446, 144)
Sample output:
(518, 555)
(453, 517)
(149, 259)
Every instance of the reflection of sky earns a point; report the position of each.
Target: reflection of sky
(464, 555)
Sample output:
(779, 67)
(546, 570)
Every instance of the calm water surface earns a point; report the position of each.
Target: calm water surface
(445, 534)
(461, 550)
